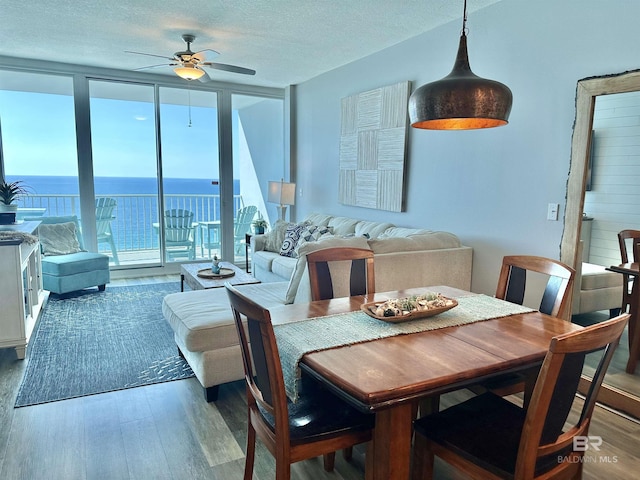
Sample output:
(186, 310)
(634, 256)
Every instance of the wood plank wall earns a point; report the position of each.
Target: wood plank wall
(614, 200)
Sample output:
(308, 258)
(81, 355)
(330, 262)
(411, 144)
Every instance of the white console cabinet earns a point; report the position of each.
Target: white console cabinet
(21, 294)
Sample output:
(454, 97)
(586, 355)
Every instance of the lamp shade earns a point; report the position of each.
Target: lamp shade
(188, 72)
(461, 100)
(282, 193)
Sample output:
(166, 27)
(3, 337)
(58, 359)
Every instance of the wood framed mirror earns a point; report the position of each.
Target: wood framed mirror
(623, 395)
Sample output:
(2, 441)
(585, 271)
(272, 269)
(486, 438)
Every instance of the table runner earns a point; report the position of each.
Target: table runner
(296, 339)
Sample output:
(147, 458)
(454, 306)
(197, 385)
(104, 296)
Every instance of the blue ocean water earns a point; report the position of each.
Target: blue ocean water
(132, 225)
(63, 185)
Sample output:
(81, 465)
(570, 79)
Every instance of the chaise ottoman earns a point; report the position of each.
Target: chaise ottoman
(205, 332)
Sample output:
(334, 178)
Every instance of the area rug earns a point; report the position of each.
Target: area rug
(94, 342)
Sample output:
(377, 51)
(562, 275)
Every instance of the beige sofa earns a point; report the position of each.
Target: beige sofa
(404, 258)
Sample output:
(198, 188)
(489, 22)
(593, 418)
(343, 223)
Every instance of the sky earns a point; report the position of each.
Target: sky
(38, 137)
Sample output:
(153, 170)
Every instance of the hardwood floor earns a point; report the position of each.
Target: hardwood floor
(168, 431)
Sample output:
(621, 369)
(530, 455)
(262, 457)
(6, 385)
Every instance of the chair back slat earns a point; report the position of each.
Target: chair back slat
(516, 285)
(542, 436)
(361, 271)
(265, 382)
(104, 215)
(555, 299)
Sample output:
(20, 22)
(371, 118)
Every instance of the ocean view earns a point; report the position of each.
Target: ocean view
(137, 202)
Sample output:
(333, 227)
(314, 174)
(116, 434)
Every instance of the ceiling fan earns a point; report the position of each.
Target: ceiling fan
(189, 65)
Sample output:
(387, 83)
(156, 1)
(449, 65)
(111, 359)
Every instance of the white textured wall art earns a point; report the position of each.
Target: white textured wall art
(373, 148)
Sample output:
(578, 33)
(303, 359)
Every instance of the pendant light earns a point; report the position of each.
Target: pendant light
(461, 100)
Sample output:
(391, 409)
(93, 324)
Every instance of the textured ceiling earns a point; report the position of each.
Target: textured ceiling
(285, 41)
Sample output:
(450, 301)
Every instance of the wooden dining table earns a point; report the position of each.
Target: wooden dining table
(389, 376)
(632, 269)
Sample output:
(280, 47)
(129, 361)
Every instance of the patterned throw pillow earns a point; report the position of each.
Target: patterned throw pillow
(311, 233)
(291, 237)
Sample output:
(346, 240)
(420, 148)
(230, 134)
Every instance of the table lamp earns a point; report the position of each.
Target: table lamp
(282, 193)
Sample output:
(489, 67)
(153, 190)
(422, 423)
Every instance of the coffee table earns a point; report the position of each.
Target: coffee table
(189, 275)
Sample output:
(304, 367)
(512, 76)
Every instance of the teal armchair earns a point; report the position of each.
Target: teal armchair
(64, 272)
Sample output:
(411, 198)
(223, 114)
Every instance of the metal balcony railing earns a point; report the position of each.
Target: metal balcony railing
(133, 219)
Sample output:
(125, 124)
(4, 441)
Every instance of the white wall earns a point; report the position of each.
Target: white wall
(490, 187)
(614, 199)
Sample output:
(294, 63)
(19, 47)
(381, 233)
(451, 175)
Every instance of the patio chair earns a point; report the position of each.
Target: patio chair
(179, 234)
(489, 437)
(319, 423)
(242, 226)
(105, 208)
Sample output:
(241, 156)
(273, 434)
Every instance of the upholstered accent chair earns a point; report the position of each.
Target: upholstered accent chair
(66, 266)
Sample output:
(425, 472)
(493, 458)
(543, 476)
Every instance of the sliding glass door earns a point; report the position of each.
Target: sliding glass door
(190, 173)
(125, 171)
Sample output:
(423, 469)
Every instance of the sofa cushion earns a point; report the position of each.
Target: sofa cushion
(283, 266)
(402, 232)
(264, 259)
(320, 219)
(371, 229)
(74, 263)
(301, 263)
(427, 241)
(343, 226)
(596, 277)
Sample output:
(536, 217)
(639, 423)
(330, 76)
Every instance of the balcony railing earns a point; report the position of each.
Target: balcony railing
(132, 226)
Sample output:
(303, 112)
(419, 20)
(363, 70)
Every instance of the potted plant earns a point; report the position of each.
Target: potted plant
(259, 225)
(10, 192)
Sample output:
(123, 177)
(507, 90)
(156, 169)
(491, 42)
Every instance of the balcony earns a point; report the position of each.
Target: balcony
(132, 227)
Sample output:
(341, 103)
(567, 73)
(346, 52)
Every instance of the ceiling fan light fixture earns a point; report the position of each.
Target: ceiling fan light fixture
(188, 72)
(461, 100)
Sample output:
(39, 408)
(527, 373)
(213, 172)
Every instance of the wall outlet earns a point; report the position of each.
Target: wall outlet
(552, 211)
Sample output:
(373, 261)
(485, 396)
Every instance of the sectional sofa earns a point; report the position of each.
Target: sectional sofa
(404, 258)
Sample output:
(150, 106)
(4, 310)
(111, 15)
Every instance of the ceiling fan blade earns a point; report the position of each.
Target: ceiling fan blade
(204, 78)
(206, 54)
(150, 55)
(229, 68)
(156, 66)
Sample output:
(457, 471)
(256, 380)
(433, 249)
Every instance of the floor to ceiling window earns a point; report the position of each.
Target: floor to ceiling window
(141, 152)
(258, 157)
(37, 125)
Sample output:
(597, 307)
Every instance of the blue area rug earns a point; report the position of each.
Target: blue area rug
(94, 342)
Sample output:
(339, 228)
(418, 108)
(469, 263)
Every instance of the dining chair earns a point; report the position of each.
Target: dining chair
(179, 233)
(555, 301)
(489, 437)
(105, 207)
(623, 237)
(360, 276)
(319, 423)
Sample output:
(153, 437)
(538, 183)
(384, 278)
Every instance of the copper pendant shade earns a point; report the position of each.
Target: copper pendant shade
(461, 100)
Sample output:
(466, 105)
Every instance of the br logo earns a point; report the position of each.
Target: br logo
(582, 443)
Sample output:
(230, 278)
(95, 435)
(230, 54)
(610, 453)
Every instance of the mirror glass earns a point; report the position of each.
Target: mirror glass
(603, 196)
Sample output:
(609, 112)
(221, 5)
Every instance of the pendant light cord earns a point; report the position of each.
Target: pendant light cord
(464, 19)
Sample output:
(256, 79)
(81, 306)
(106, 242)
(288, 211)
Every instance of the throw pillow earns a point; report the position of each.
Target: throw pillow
(58, 238)
(312, 233)
(291, 237)
(276, 236)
